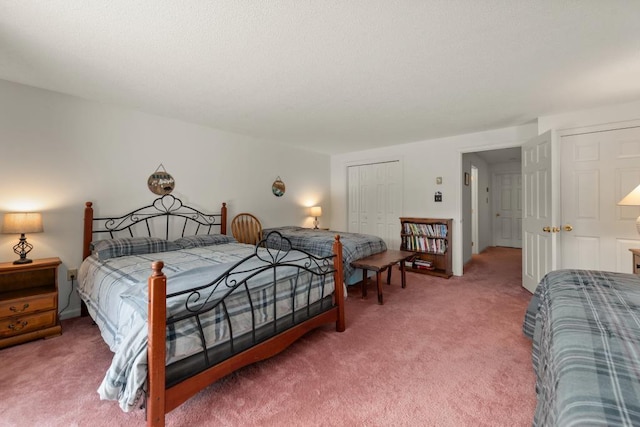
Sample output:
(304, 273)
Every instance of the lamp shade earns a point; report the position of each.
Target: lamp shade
(22, 222)
(316, 211)
(631, 199)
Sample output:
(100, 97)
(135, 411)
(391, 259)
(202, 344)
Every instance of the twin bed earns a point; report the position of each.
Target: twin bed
(210, 307)
(354, 245)
(585, 327)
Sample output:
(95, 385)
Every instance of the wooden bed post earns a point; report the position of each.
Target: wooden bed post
(88, 230)
(223, 218)
(339, 283)
(157, 345)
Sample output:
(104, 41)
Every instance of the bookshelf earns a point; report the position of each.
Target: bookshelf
(430, 239)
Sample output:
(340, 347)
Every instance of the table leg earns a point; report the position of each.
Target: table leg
(402, 274)
(389, 274)
(364, 283)
(379, 282)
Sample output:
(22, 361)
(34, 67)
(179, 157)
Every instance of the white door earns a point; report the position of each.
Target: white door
(540, 213)
(598, 170)
(507, 222)
(375, 201)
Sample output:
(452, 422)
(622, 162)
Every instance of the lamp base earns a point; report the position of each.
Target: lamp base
(22, 248)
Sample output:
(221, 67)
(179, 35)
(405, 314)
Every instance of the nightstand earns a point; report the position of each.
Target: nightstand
(28, 301)
(636, 260)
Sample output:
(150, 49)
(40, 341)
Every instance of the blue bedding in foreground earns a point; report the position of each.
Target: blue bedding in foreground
(320, 242)
(115, 292)
(585, 327)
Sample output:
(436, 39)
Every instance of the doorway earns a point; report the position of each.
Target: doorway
(481, 200)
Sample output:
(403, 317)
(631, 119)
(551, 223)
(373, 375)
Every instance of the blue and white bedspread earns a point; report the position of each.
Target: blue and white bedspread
(115, 292)
(585, 327)
(320, 242)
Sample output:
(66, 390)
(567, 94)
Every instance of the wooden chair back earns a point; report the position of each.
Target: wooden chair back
(246, 228)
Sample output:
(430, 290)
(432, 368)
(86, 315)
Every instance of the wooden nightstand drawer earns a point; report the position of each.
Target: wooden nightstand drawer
(29, 322)
(28, 305)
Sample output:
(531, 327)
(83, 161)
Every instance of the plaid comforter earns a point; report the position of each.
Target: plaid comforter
(320, 242)
(115, 292)
(585, 327)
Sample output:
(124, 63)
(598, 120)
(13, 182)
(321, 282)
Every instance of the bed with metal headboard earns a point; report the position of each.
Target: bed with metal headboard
(181, 304)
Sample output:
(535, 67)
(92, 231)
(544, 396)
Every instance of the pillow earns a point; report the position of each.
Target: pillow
(203, 240)
(113, 248)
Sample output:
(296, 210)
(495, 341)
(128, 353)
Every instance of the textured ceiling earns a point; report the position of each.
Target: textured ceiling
(334, 75)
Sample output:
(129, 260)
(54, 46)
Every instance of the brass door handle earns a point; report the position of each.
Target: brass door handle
(568, 227)
(546, 229)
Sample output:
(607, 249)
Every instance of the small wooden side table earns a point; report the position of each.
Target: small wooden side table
(28, 301)
(636, 260)
(380, 262)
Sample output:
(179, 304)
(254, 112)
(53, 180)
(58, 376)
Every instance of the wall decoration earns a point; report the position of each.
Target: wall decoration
(278, 187)
(161, 182)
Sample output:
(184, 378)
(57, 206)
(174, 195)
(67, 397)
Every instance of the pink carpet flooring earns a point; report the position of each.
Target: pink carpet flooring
(437, 353)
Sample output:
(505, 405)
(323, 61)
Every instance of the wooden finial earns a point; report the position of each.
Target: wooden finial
(156, 266)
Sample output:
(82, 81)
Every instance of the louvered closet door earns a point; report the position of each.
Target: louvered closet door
(599, 169)
(375, 200)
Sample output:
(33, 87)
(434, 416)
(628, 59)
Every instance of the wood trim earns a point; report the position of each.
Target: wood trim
(156, 358)
(223, 219)
(181, 392)
(339, 284)
(88, 230)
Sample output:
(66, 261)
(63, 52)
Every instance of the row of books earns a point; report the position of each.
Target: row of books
(422, 264)
(430, 230)
(424, 244)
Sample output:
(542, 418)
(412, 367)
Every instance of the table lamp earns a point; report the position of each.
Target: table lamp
(22, 223)
(316, 211)
(632, 199)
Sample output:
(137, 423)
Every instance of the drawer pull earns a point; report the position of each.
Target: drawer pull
(18, 310)
(19, 326)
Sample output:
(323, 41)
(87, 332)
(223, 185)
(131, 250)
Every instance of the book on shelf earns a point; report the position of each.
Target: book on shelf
(422, 264)
(429, 230)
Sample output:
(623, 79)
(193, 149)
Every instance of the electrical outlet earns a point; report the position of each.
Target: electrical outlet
(72, 274)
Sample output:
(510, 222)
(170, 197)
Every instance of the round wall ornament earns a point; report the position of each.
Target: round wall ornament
(278, 187)
(161, 182)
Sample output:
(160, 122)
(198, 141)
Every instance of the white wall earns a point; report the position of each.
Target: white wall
(422, 162)
(59, 151)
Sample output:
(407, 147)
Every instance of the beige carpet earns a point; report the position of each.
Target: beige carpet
(438, 353)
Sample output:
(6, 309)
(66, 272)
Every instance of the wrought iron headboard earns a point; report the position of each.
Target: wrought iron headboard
(166, 215)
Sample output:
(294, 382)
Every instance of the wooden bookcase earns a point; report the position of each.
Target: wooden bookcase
(430, 239)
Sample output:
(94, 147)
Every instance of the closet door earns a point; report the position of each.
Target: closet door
(375, 200)
(598, 170)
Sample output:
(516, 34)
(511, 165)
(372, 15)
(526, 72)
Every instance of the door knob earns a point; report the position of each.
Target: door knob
(498, 214)
(568, 227)
(546, 229)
